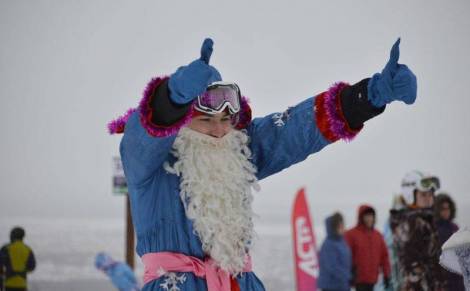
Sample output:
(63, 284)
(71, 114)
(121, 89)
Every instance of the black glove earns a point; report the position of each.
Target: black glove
(352, 281)
(386, 283)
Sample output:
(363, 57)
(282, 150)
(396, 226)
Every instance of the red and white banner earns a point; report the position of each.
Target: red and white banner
(305, 248)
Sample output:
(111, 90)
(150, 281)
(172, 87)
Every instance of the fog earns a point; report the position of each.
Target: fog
(69, 67)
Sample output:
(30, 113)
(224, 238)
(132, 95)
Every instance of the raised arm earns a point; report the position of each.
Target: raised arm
(150, 130)
(280, 140)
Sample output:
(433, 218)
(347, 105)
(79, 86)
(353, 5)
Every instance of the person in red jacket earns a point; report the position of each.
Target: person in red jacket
(369, 251)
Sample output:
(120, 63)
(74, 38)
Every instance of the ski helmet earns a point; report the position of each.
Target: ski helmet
(416, 180)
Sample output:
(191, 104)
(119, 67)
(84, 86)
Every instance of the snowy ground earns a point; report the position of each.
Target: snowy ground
(65, 249)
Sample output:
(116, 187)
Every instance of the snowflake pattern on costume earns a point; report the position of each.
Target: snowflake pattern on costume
(463, 253)
(281, 118)
(172, 280)
(161, 272)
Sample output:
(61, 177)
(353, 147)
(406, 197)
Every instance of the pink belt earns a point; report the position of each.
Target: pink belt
(156, 264)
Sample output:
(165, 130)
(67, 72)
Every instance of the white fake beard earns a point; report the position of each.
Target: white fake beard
(216, 180)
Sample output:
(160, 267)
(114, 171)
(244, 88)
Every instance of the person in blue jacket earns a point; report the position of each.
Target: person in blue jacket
(192, 154)
(335, 257)
(120, 274)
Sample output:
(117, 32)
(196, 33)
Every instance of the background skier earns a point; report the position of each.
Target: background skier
(415, 235)
(335, 257)
(17, 260)
(445, 211)
(369, 252)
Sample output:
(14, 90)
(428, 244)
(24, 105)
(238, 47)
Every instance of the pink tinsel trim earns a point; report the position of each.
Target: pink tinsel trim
(245, 113)
(117, 125)
(337, 123)
(146, 113)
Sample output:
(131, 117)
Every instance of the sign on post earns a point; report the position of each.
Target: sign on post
(119, 179)
(120, 188)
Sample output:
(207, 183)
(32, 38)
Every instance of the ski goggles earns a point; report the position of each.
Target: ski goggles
(218, 97)
(425, 184)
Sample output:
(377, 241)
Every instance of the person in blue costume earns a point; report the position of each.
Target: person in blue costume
(335, 257)
(120, 274)
(192, 154)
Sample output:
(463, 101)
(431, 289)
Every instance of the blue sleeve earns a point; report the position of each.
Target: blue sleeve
(129, 274)
(332, 264)
(141, 153)
(123, 277)
(328, 260)
(280, 140)
(31, 262)
(3, 258)
(344, 265)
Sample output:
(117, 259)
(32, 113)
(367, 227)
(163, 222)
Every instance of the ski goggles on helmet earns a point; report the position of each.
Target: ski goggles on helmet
(218, 97)
(429, 183)
(425, 184)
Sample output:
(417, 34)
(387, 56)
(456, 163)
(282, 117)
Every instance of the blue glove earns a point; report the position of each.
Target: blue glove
(122, 277)
(192, 80)
(396, 82)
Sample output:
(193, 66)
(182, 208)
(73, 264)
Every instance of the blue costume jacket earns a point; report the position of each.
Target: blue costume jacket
(277, 141)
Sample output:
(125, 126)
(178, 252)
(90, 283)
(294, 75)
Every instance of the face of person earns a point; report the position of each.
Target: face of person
(424, 199)
(340, 229)
(369, 220)
(445, 211)
(217, 125)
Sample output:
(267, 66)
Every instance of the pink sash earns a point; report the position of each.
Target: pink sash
(156, 264)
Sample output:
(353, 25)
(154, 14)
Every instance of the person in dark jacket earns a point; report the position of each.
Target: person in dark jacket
(16, 259)
(369, 252)
(415, 235)
(445, 211)
(335, 257)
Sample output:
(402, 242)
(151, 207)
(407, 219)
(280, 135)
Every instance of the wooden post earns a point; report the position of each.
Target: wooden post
(129, 235)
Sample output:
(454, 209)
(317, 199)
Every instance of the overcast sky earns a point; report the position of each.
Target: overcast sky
(68, 67)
